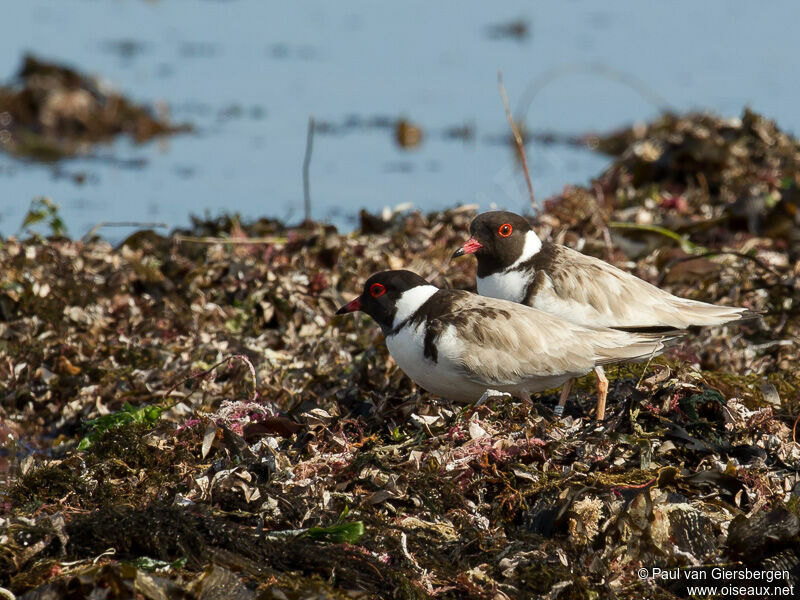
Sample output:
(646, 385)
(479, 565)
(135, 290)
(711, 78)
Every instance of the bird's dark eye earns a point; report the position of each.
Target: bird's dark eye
(505, 230)
(376, 290)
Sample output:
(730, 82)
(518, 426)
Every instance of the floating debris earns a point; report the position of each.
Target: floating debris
(407, 134)
(52, 112)
(516, 29)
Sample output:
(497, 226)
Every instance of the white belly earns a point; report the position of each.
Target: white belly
(441, 378)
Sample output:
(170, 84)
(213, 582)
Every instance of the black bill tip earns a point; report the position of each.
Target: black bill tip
(351, 306)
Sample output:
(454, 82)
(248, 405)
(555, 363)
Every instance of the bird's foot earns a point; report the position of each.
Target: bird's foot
(490, 394)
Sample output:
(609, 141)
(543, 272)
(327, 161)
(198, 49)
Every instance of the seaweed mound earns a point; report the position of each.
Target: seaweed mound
(51, 112)
(184, 417)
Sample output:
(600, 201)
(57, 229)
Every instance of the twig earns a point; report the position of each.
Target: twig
(754, 259)
(250, 366)
(794, 429)
(518, 140)
(685, 244)
(306, 165)
(649, 360)
(602, 218)
(404, 548)
(102, 224)
(223, 240)
(203, 374)
(601, 70)
(616, 489)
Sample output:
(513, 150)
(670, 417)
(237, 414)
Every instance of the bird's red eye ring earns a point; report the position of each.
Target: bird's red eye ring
(376, 290)
(505, 230)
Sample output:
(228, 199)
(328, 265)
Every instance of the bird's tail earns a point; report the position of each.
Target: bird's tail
(691, 312)
(625, 346)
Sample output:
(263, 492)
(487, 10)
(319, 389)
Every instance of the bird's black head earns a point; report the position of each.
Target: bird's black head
(498, 239)
(380, 295)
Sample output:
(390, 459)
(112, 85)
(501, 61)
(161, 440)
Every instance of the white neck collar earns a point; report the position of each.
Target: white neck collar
(410, 301)
(532, 246)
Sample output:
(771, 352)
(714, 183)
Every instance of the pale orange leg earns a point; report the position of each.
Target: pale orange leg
(562, 401)
(602, 392)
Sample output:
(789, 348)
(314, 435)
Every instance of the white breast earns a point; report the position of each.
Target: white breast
(512, 283)
(506, 285)
(442, 378)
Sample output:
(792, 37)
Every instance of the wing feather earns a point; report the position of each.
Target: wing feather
(602, 294)
(502, 343)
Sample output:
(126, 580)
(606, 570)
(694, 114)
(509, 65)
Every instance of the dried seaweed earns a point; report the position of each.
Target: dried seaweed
(241, 488)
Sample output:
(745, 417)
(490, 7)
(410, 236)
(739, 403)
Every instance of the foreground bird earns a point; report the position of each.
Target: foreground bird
(459, 345)
(514, 264)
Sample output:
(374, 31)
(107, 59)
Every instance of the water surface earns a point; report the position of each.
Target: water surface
(248, 74)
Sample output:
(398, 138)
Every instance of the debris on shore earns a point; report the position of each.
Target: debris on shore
(183, 416)
(51, 111)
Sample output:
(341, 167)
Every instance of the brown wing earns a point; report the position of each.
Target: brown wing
(612, 297)
(502, 343)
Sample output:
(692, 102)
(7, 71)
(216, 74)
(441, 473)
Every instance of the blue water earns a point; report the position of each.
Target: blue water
(248, 74)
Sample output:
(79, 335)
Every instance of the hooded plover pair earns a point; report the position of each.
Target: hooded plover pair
(545, 315)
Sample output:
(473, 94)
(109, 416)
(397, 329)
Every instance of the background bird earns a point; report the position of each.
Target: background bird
(458, 345)
(514, 264)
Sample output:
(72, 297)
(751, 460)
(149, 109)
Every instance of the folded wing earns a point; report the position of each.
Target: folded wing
(610, 297)
(502, 342)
